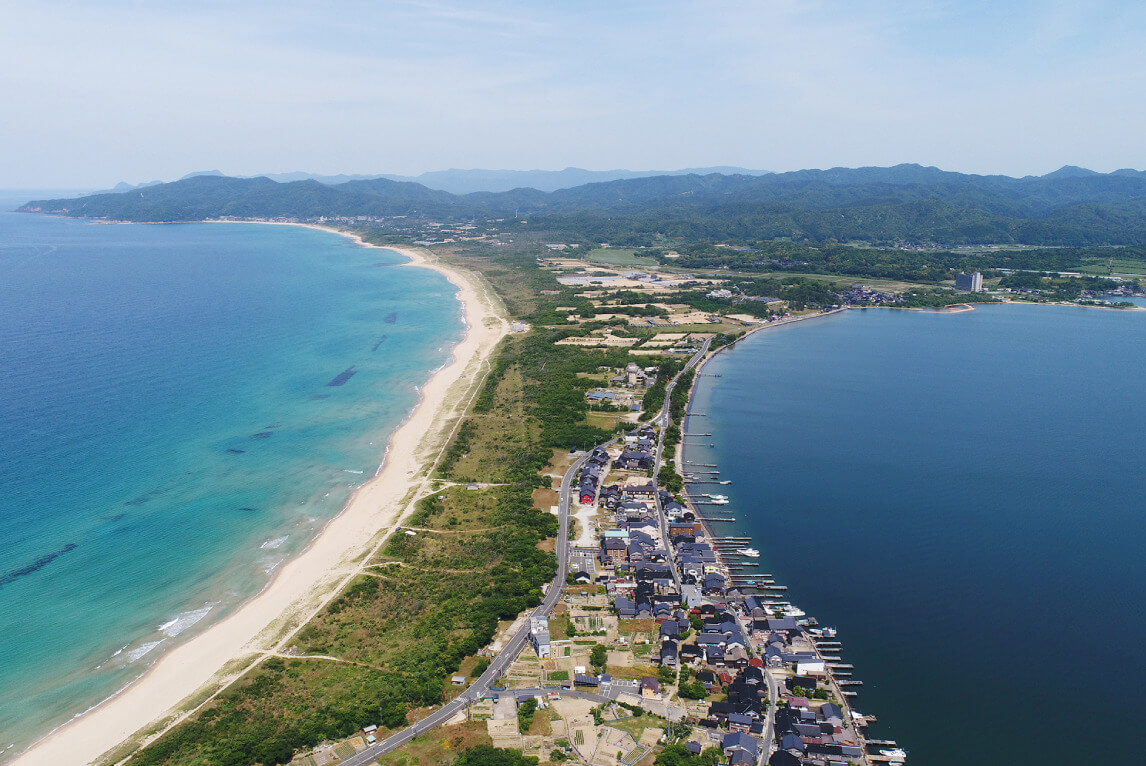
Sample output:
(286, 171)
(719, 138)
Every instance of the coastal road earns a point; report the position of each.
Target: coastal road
(509, 652)
(497, 667)
(662, 419)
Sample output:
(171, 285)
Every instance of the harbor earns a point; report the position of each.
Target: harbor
(824, 658)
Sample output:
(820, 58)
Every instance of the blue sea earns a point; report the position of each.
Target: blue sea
(169, 434)
(964, 497)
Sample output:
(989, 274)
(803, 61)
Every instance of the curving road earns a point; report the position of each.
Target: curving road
(509, 652)
(480, 687)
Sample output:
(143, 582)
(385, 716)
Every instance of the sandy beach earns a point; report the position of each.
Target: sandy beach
(193, 672)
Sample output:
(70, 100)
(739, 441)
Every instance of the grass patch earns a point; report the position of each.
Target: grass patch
(440, 746)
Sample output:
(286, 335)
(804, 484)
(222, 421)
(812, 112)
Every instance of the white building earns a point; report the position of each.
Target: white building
(539, 636)
(971, 282)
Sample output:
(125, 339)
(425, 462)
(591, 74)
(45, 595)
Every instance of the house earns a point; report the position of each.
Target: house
(539, 636)
(832, 713)
(739, 722)
(668, 656)
(783, 758)
(614, 550)
(650, 688)
(635, 460)
(807, 683)
(782, 625)
(643, 492)
(735, 656)
(713, 585)
(626, 608)
(690, 653)
(797, 703)
(734, 742)
(792, 742)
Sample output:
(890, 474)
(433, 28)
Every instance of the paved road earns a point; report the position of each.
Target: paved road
(516, 643)
(509, 652)
(662, 419)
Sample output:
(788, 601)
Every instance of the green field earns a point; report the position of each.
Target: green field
(621, 256)
(1120, 266)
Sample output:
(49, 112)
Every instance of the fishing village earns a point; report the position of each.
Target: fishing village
(662, 636)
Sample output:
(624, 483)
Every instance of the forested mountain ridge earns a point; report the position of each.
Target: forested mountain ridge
(1071, 206)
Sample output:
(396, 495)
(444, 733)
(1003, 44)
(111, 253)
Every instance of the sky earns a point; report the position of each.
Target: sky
(102, 91)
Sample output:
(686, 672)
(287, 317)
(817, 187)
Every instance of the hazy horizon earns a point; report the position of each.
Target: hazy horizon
(114, 90)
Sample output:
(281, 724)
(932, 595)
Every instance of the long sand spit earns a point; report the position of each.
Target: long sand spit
(192, 673)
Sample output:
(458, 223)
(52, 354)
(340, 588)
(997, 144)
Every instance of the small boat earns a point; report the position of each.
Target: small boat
(896, 754)
(751, 553)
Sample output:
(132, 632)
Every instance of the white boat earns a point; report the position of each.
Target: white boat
(751, 553)
(896, 754)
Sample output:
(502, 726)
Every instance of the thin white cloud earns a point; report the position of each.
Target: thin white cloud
(95, 93)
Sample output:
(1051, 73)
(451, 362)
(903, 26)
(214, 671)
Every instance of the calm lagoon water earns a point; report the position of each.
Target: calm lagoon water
(964, 497)
(168, 436)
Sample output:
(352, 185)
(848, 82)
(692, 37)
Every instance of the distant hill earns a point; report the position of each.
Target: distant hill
(1071, 206)
(470, 181)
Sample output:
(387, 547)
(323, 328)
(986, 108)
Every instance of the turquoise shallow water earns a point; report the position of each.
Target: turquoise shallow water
(964, 497)
(168, 433)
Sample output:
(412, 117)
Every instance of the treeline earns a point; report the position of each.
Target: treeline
(798, 292)
(654, 397)
(554, 394)
(877, 205)
(884, 263)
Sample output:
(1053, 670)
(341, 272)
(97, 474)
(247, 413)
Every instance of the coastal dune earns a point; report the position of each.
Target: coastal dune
(193, 672)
